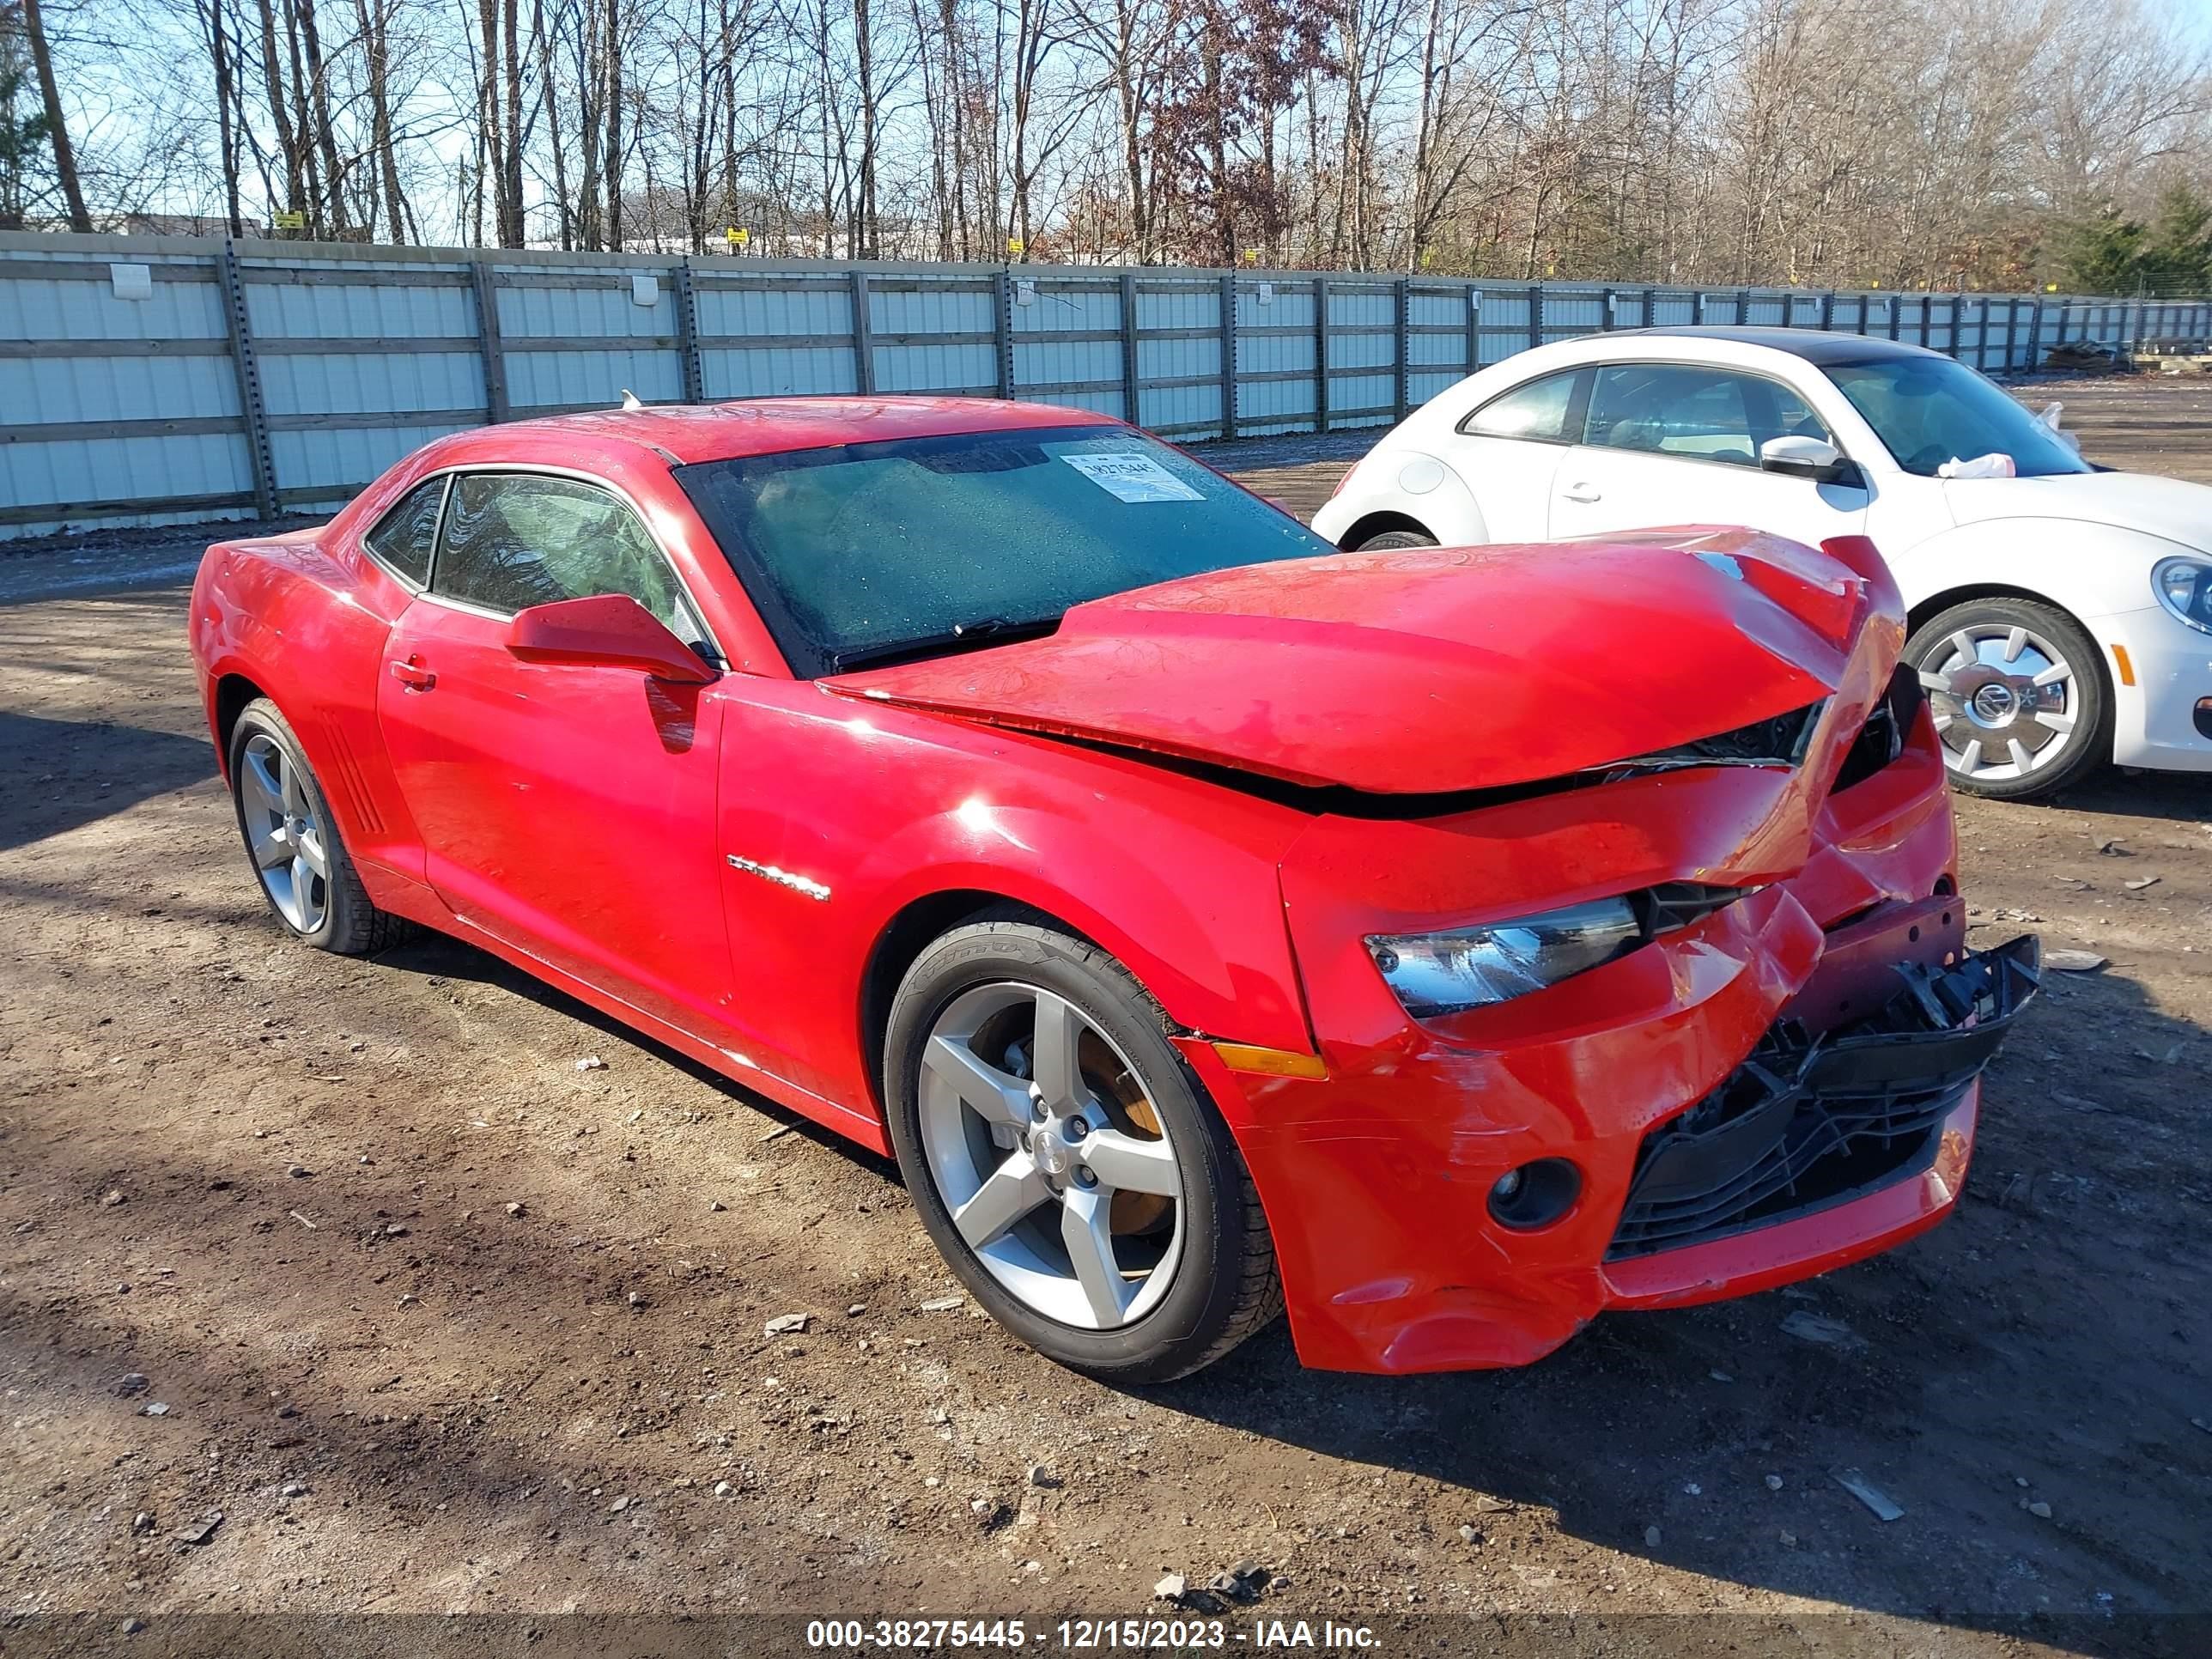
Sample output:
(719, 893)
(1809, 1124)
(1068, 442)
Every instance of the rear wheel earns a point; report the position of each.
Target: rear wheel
(293, 841)
(1065, 1159)
(2017, 694)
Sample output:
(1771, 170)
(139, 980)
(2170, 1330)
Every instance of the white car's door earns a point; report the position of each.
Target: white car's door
(1506, 451)
(1678, 443)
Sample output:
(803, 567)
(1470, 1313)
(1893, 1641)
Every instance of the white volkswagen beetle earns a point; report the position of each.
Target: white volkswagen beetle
(2061, 616)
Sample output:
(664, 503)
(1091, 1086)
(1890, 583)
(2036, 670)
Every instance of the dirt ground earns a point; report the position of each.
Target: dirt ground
(353, 1254)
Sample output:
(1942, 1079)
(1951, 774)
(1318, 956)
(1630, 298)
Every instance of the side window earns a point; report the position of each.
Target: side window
(1784, 415)
(1664, 409)
(403, 537)
(516, 539)
(1537, 410)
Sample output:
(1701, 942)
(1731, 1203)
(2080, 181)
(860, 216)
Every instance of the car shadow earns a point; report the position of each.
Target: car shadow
(437, 956)
(67, 774)
(2179, 796)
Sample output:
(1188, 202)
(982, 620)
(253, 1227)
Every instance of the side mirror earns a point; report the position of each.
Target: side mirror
(610, 630)
(1800, 457)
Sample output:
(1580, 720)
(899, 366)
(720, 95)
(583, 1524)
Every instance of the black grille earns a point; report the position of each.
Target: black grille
(1806, 1122)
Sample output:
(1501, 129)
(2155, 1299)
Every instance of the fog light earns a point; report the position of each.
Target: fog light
(2204, 717)
(1535, 1194)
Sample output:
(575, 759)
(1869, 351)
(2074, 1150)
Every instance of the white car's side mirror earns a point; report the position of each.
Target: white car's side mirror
(1801, 457)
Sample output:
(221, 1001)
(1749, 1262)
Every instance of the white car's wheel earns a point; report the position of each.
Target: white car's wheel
(1393, 538)
(2017, 694)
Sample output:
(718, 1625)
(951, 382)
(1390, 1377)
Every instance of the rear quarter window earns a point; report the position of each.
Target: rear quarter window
(403, 537)
(1538, 411)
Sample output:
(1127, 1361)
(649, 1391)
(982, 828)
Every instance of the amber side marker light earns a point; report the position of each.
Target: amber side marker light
(2127, 668)
(1269, 1062)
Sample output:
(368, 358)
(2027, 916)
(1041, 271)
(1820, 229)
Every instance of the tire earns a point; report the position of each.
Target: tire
(1221, 1286)
(2006, 693)
(1395, 538)
(329, 908)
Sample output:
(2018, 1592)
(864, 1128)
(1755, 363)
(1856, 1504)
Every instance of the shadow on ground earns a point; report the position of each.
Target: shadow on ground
(68, 773)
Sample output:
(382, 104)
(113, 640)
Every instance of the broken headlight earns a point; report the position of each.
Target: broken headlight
(1447, 973)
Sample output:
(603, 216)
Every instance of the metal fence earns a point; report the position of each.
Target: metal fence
(163, 380)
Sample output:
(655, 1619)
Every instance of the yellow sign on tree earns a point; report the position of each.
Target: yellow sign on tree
(1016, 247)
(1251, 256)
(737, 235)
(288, 221)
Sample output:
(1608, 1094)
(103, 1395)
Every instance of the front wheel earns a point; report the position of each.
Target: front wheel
(2017, 695)
(1066, 1162)
(1395, 538)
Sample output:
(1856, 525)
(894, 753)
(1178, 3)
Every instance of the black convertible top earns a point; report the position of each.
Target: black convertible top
(1812, 345)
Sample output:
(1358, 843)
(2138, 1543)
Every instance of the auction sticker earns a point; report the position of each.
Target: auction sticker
(1130, 475)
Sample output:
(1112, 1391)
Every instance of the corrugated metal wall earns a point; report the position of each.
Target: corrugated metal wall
(156, 379)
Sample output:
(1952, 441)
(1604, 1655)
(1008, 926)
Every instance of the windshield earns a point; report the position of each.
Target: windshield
(918, 546)
(1928, 410)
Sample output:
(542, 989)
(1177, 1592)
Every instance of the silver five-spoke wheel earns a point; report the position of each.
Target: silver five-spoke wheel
(2006, 700)
(1056, 1170)
(285, 833)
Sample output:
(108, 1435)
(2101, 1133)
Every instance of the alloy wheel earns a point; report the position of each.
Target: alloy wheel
(1055, 1167)
(2005, 699)
(283, 832)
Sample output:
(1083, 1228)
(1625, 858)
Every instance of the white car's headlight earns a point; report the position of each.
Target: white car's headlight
(2184, 586)
(1447, 973)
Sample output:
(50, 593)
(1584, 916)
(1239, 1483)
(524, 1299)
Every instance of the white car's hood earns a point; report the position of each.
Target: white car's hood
(2167, 508)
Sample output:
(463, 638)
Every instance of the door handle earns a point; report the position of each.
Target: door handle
(1584, 492)
(411, 674)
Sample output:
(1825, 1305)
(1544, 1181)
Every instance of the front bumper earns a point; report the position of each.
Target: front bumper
(2154, 721)
(1813, 1151)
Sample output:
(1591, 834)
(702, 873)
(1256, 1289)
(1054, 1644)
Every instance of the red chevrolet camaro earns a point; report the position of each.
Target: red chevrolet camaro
(1444, 946)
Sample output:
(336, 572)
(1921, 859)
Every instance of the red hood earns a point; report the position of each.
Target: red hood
(1433, 670)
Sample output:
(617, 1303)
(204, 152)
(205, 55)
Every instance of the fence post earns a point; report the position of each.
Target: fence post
(1698, 308)
(1320, 354)
(1828, 312)
(486, 280)
(1651, 307)
(250, 404)
(1535, 315)
(1742, 306)
(1402, 293)
(1228, 353)
(687, 334)
(1473, 328)
(863, 340)
(1002, 307)
(1605, 318)
(1129, 348)
(2035, 335)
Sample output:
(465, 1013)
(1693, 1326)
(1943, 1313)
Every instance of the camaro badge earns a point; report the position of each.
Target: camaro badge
(812, 889)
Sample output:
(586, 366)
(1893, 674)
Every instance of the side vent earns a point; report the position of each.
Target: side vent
(345, 779)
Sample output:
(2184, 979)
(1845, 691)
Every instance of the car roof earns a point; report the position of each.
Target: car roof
(1814, 345)
(689, 433)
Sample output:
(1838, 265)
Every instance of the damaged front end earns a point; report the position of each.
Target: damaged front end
(1808, 1122)
(1783, 1080)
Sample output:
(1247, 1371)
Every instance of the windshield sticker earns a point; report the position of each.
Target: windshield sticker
(1129, 475)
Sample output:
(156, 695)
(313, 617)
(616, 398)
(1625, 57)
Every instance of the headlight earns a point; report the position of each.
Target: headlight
(2184, 586)
(1434, 974)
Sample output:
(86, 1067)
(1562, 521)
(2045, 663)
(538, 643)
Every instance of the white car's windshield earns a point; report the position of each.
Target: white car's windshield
(1928, 410)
